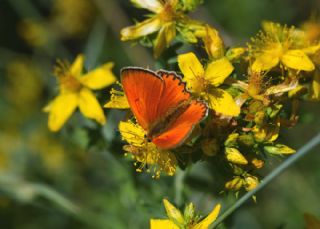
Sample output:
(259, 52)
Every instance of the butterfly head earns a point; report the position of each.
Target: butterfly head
(148, 138)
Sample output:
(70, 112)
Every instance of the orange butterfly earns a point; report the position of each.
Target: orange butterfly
(161, 105)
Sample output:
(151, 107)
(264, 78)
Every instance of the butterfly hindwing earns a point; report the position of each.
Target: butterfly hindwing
(174, 92)
(182, 127)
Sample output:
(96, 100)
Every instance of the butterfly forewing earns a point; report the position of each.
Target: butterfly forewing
(143, 90)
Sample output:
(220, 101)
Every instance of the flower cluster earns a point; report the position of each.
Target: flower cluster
(67, 19)
(251, 92)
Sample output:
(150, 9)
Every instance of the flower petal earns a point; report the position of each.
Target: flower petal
(213, 43)
(166, 34)
(60, 110)
(162, 223)
(144, 28)
(222, 102)
(192, 70)
(206, 222)
(235, 53)
(173, 213)
(217, 71)
(152, 5)
(132, 133)
(118, 100)
(90, 107)
(264, 62)
(297, 59)
(77, 65)
(312, 49)
(99, 77)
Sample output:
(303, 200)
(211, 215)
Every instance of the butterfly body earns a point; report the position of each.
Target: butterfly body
(161, 105)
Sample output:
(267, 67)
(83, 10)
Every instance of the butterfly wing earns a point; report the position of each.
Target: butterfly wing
(174, 92)
(143, 89)
(182, 127)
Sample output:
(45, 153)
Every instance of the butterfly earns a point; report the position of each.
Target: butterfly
(162, 105)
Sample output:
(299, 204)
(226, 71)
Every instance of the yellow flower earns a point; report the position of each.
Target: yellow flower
(72, 17)
(267, 132)
(250, 182)
(258, 89)
(257, 163)
(75, 91)
(204, 82)
(188, 220)
(118, 99)
(162, 223)
(235, 184)
(33, 32)
(214, 45)
(279, 44)
(146, 153)
(246, 181)
(167, 18)
(22, 74)
(234, 156)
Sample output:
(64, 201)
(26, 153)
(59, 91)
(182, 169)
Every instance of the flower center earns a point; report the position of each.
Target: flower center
(275, 49)
(67, 81)
(202, 86)
(168, 13)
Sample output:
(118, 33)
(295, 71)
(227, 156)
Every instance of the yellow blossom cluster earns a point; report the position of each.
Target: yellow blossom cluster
(247, 90)
(246, 113)
(67, 19)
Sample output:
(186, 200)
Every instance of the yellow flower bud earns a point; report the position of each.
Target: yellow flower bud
(234, 156)
(251, 182)
(235, 53)
(173, 213)
(257, 163)
(235, 184)
(213, 43)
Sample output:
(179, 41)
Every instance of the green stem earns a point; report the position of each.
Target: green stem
(295, 157)
(179, 184)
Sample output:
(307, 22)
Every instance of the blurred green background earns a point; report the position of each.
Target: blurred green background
(79, 177)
